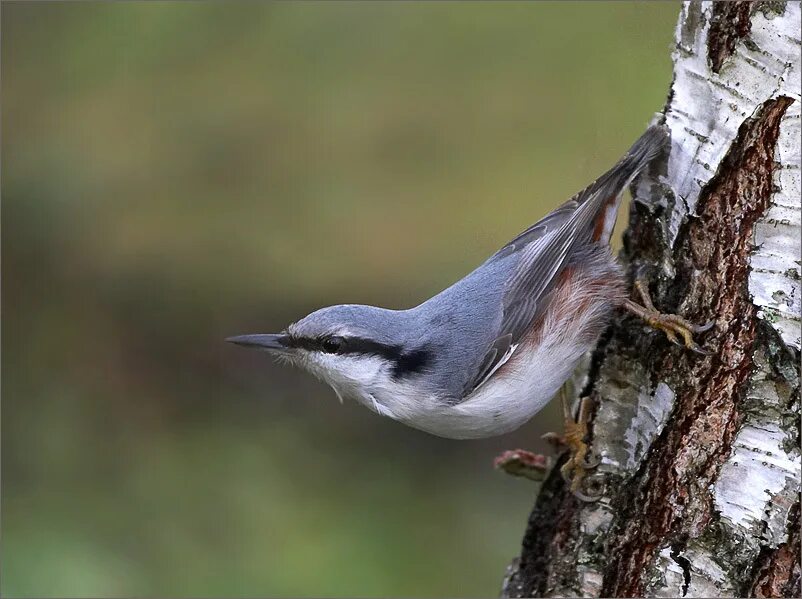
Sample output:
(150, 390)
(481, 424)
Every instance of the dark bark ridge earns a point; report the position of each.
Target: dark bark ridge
(777, 572)
(729, 23)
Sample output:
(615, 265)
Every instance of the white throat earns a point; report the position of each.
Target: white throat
(364, 378)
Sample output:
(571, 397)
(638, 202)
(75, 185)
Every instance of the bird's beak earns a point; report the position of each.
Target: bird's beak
(273, 343)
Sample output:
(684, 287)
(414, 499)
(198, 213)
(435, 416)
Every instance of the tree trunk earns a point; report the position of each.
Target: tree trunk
(700, 455)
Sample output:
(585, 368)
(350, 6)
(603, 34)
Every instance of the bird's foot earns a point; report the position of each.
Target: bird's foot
(580, 460)
(534, 466)
(519, 462)
(671, 324)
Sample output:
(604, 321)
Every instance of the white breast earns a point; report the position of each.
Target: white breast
(506, 401)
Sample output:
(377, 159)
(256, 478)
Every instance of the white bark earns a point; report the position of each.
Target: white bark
(703, 457)
(704, 115)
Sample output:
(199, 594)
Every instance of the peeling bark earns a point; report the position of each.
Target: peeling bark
(700, 455)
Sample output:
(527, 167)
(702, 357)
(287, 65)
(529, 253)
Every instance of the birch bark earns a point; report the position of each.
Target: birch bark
(700, 455)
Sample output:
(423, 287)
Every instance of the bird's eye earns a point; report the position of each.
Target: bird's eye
(331, 345)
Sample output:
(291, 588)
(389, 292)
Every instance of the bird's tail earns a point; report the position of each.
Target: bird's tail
(647, 147)
(606, 191)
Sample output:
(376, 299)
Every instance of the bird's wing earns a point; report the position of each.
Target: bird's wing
(546, 247)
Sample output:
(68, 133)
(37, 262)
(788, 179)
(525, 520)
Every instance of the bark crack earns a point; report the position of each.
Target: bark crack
(685, 564)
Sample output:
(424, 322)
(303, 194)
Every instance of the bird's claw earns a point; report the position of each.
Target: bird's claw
(570, 470)
(673, 325)
(591, 461)
(556, 440)
(591, 488)
(580, 459)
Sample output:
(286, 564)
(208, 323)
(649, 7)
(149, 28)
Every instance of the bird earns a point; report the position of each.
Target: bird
(486, 354)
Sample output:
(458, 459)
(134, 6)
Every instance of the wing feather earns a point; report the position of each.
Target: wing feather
(546, 247)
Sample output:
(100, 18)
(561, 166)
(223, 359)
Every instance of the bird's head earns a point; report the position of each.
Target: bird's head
(361, 351)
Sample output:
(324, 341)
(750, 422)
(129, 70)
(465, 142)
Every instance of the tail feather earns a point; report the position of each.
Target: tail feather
(589, 216)
(606, 191)
(645, 149)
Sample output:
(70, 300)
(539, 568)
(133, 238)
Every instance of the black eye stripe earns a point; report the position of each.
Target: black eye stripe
(333, 345)
(403, 362)
(412, 362)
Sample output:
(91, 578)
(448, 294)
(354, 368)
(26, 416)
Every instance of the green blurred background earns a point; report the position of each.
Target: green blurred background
(174, 173)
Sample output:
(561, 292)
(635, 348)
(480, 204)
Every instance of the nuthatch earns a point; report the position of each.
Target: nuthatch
(483, 356)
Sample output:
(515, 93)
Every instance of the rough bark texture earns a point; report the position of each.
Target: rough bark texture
(700, 455)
